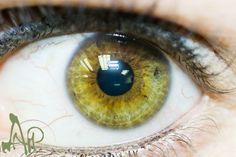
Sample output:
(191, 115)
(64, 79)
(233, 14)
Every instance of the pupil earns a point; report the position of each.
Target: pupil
(116, 78)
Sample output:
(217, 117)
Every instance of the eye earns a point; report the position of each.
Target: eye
(107, 78)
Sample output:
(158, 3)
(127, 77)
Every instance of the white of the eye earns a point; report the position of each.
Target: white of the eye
(33, 86)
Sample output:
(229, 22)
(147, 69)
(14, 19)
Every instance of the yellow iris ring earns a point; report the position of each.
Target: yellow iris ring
(144, 99)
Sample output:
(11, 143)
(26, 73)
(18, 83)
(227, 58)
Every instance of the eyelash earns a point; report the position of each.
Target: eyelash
(48, 21)
(172, 39)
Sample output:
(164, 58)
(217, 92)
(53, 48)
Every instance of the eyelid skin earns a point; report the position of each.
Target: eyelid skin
(182, 138)
(186, 14)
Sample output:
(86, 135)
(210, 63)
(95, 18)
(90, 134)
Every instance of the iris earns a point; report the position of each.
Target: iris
(117, 80)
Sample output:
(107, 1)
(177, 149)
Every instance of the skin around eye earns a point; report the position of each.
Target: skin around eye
(224, 28)
(40, 86)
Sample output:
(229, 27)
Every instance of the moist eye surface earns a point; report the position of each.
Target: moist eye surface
(118, 81)
(137, 101)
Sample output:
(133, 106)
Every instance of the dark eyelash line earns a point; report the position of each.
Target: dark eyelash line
(51, 21)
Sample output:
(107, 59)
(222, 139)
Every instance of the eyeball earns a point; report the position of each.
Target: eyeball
(95, 89)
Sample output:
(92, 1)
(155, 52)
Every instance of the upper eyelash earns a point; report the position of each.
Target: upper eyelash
(49, 21)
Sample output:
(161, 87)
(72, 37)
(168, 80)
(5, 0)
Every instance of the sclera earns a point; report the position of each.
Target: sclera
(33, 86)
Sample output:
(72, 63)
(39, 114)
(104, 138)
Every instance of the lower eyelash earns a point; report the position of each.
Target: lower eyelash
(164, 144)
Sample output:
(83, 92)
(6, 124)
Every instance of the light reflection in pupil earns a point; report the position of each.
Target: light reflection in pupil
(116, 78)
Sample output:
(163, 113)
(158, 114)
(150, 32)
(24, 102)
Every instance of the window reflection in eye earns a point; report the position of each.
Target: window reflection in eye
(34, 80)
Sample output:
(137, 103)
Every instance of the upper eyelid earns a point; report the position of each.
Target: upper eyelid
(155, 8)
(139, 5)
(169, 37)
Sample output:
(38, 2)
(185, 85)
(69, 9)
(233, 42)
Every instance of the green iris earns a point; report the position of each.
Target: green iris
(118, 81)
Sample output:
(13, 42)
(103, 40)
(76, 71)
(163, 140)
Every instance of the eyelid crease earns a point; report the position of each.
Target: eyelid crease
(139, 6)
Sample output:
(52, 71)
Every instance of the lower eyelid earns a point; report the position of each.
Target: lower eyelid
(182, 137)
(190, 133)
